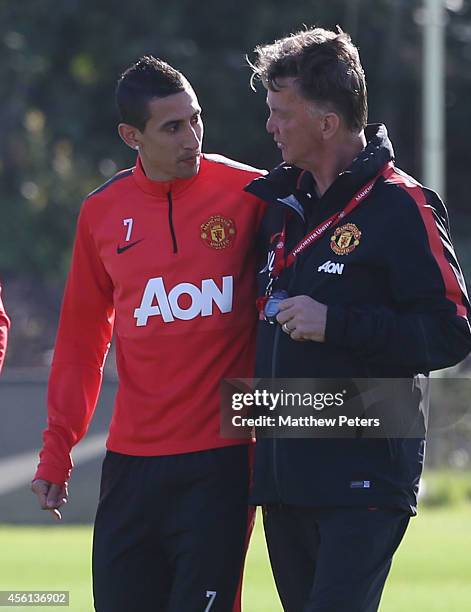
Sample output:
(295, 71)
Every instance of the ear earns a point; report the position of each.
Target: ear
(330, 125)
(130, 135)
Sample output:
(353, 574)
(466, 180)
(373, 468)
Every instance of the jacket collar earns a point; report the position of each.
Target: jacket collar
(161, 189)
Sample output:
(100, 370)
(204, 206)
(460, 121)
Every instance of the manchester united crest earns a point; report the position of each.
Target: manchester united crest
(345, 239)
(218, 232)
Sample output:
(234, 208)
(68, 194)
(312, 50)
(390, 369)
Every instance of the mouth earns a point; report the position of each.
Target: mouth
(191, 159)
(280, 145)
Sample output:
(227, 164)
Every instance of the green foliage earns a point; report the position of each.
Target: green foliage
(446, 488)
(60, 61)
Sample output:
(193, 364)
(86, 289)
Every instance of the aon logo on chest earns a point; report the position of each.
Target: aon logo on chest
(331, 267)
(198, 301)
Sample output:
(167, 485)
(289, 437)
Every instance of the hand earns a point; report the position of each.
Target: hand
(50, 496)
(303, 318)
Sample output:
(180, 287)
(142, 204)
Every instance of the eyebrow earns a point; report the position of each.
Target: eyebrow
(181, 120)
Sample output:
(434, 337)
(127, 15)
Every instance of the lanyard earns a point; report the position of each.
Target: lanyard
(281, 262)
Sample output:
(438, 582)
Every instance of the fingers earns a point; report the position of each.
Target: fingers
(57, 496)
(286, 329)
(50, 496)
(285, 304)
(291, 307)
(303, 318)
(293, 332)
(298, 335)
(40, 487)
(287, 311)
(284, 317)
(65, 493)
(56, 514)
(295, 301)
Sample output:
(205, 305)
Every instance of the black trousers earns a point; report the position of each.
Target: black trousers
(332, 559)
(170, 532)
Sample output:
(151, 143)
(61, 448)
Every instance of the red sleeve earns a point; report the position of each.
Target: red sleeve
(82, 343)
(4, 327)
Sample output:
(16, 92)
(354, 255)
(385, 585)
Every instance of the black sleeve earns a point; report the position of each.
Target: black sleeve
(427, 328)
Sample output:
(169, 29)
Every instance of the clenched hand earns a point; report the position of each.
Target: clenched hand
(50, 496)
(303, 318)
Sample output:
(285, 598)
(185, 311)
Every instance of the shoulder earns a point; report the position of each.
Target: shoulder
(232, 177)
(224, 166)
(403, 195)
(110, 187)
(96, 205)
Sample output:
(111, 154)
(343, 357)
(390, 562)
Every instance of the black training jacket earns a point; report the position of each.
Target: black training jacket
(397, 306)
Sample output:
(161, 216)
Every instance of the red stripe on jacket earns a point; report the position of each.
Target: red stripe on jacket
(452, 287)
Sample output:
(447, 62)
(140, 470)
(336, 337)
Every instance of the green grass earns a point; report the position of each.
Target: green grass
(431, 571)
(47, 558)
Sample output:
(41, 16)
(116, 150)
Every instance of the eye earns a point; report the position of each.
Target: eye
(172, 127)
(195, 119)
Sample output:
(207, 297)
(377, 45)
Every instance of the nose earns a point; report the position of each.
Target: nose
(192, 138)
(270, 124)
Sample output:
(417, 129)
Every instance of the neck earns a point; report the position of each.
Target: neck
(336, 160)
(153, 173)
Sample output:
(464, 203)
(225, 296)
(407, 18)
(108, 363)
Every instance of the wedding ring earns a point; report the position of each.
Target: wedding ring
(286, 329)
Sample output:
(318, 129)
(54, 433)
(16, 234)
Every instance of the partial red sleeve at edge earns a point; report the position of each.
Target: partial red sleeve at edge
(4, 327)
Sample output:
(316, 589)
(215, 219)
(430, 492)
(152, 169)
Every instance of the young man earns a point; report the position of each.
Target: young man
(4, 327)
(164, 253)
(372, 288)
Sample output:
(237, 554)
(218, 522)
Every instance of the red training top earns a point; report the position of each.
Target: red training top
(172, 267)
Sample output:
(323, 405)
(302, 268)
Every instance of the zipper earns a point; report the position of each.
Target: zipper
(274, 441)
(170, 221)
(276, 341)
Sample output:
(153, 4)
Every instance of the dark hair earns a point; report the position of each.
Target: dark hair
(326, 66)
(147, 78)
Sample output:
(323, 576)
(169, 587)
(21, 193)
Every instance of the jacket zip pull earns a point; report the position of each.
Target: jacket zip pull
(170, 221)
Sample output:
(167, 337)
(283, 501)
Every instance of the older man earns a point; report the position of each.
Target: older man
(364, 282)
